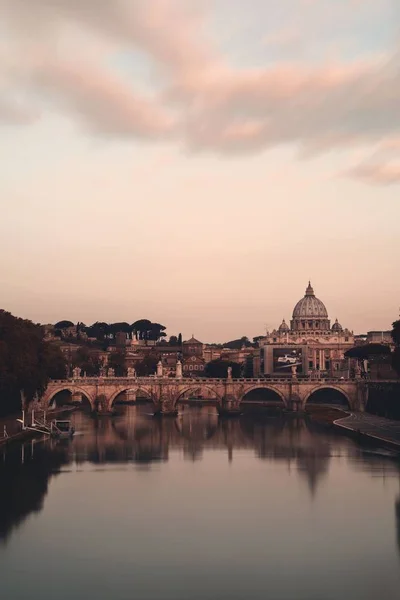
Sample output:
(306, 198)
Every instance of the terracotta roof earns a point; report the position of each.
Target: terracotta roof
(193, 341)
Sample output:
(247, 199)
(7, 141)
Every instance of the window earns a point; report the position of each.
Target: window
(190, 367)
(310, 364)
(201, 368)
(196, 368)
(346, 339)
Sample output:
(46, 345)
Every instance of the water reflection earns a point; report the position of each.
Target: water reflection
(303, 446)
(25, 471)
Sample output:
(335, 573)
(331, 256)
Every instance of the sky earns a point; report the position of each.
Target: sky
(196, 162)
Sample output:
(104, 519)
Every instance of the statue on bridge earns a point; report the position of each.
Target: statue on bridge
(110, 372)
(229, 372)
(131, 372)
(103, 372)
(76, 372)
(178, 374)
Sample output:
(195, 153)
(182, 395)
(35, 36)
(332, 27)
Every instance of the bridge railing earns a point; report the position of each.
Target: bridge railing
(192, 380)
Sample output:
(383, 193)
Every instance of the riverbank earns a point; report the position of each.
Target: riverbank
(15, 433)
(357, 424)
(371, 427)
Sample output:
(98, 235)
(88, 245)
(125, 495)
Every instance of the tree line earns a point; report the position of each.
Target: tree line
(143, 330)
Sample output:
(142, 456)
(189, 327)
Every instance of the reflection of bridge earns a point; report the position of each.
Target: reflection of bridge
(165, 393)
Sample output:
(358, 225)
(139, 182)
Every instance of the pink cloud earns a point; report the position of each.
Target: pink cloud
(99, 99)
(205, 103)
(382, 167)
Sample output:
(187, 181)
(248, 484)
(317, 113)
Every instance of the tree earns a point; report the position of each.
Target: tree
(122, 327)
(63, 325)
(56, 362)
(257, 339)
(180, 339)
(396, 340)
(367, 350)
(27, 361)
(140, 328)
(146, 330)
(98, 330)
(88, 361)
(147, 366)
(238, 344)
(173, 340)
(117, 361)
(219, 368)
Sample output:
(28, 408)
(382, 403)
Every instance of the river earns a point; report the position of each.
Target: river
(195, 508)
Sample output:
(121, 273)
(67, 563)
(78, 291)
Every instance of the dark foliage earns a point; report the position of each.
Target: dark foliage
(147, 366)
(88, 360)
(219, 368)
(367, 351)
(117, 361)
(63, 325)
(146, 330)
(396, 353)
(238, 344)
(27, 362)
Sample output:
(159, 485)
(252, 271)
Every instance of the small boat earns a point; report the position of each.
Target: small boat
(61, 429)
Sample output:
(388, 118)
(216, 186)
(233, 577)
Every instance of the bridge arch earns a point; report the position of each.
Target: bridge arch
(259, 386)
(126, 388)
(321, 388)
(194, 387)
(67, 388)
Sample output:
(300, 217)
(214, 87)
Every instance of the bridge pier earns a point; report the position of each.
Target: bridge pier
(229, 406)
(164, 409)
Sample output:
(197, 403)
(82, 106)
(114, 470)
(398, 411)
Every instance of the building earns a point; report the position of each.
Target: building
(211, 352)
(380, 337)
(193, 366)
(192, 347)
(309, 343)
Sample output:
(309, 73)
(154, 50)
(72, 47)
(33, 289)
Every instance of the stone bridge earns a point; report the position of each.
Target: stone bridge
(227, 394)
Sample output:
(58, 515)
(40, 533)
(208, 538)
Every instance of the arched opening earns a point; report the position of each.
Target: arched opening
(131, 396)
(264, 400)
(329, 397)
(263, 396)
(198, 396)
(68, 398)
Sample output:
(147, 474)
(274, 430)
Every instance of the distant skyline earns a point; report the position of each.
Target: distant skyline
(196, 162)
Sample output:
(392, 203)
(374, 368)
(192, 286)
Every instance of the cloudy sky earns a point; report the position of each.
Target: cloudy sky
(195, 162)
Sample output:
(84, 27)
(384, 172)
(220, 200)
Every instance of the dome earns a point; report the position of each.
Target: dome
(310, 307)
(283, 326)
(337, 326)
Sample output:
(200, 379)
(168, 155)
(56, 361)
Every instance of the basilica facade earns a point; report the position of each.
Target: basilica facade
(309, 343)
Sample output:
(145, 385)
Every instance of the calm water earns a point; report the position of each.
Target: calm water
(194, 508)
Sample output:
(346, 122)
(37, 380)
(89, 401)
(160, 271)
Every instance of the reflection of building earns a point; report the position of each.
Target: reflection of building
(323, 346)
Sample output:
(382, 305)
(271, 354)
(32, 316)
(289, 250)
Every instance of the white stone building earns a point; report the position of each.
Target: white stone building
(319, 347)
